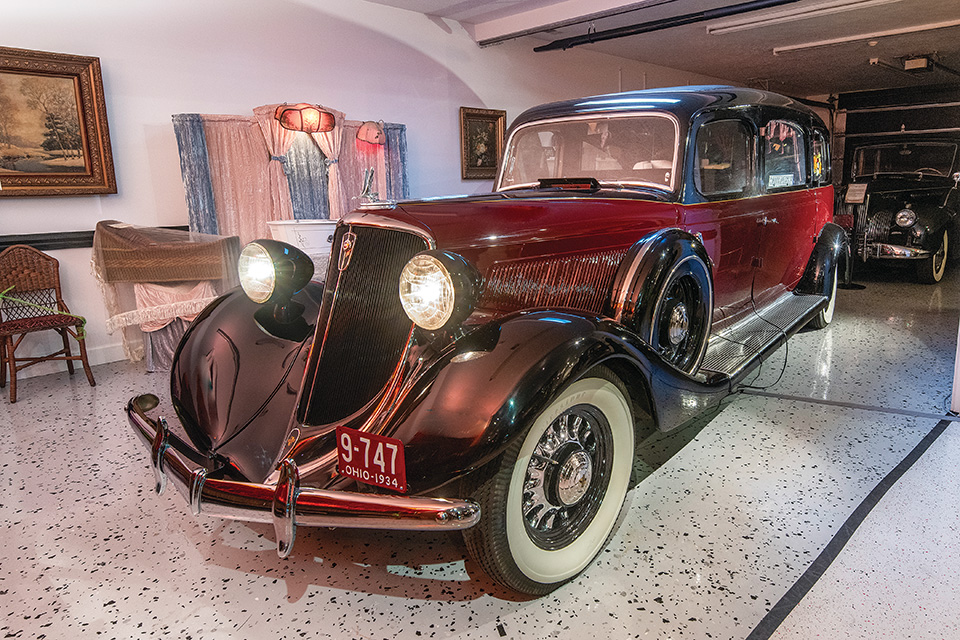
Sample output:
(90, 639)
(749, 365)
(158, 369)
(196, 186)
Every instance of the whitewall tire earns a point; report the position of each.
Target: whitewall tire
(557, 494)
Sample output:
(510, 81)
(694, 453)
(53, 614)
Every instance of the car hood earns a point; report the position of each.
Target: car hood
(494, 227)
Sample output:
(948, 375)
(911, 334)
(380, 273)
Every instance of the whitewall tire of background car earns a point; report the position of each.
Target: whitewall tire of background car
(930, 270)
(551, 505)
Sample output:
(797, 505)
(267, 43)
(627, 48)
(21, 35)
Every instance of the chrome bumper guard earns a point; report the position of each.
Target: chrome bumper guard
(286, 505)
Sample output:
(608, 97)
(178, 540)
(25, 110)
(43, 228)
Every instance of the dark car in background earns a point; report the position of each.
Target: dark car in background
(901, 202)
(495, 363)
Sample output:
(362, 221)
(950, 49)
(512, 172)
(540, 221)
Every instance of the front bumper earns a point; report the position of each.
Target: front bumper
(883, 250)
(285, 505)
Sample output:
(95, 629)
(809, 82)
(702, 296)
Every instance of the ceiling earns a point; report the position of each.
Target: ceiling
(798, 47)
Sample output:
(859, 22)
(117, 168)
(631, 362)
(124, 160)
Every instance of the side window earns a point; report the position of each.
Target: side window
(821, 159)
(785, 162)
(723, 155)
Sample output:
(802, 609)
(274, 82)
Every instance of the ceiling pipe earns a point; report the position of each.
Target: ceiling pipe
(663, 23)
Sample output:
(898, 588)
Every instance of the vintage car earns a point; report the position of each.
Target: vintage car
(494, 364)
(902, 200)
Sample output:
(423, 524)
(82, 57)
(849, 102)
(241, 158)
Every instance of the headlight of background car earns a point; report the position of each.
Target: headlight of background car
(437, 289)
(906, 218)
(273, 271)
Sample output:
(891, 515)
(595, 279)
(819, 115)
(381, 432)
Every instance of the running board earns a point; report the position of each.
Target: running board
(736, 350)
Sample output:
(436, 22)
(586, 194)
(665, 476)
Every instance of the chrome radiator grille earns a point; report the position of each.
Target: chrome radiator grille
(579, 281)
(870, 227)
(366, 328)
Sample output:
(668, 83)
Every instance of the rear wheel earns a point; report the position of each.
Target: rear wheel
(825, 317)
(558, 490)
(678, 324)
(930, 270)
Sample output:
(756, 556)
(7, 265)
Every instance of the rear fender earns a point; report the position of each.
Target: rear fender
(831, 255)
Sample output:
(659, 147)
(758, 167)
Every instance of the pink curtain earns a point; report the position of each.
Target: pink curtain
(330, 145)
(242, 186)
(278, 142)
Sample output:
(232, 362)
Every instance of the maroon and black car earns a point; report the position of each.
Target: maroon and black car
(495, 363)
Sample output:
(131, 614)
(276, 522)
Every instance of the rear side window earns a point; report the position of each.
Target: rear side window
(821, 159)
(785, 162)
(723, 158)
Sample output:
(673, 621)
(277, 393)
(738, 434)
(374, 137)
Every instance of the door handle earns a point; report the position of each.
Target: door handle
(765, 221)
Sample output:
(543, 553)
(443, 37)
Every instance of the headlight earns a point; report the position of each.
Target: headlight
(258, 277)
(906, 218)
(271, 270)
(437, 288)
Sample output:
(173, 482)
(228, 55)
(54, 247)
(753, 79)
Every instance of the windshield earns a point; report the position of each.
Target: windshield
(621, 150)
(930, 158)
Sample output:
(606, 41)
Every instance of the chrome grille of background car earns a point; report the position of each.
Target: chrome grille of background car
(870, 227)
(366, 328)
(579, 281)
(877, 228)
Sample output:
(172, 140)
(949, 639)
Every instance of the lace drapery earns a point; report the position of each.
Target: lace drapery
(148, 276)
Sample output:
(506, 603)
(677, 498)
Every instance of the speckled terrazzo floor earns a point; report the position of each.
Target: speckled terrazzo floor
(709, 543)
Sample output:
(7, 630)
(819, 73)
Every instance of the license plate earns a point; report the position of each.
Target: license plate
(371, 458)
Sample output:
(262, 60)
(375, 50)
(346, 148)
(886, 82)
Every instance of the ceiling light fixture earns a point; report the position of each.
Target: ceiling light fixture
(865, 36)
(791, 15)
(663, 23)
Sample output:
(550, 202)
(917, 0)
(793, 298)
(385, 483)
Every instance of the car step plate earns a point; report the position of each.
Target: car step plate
(731, 349)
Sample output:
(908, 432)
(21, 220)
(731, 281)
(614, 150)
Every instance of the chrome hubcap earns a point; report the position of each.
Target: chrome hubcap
(574, 478)
(565, 477)
(679, 324)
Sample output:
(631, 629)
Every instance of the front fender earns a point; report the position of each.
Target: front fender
(234, 385)
(466, 410)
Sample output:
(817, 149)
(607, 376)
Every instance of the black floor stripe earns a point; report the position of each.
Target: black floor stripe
(815, 571)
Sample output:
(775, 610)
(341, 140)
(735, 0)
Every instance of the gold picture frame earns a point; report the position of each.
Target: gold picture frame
(54, 139)
(481, 142)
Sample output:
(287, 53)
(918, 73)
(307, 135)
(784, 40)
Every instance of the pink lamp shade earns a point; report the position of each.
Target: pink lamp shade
(308, 118)
(371, 132)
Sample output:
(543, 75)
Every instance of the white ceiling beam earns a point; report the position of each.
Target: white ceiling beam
(552, 16)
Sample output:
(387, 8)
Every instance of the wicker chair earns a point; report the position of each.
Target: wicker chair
(35, 279)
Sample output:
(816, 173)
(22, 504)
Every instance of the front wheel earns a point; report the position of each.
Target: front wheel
(557, 491)
(930, 270)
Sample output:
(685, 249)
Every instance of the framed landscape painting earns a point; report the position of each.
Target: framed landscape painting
(54, 139)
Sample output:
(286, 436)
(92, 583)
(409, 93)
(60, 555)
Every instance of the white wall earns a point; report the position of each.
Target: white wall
(161, 57)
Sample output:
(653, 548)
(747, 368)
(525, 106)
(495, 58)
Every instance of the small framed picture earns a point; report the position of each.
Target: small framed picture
(54, 139)
(481, 142)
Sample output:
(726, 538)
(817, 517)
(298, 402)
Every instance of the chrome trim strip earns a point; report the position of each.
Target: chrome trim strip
(288, 505)
(620, 296)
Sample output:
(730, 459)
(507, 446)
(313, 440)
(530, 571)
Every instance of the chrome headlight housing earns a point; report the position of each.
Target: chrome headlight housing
(437, 289)
(273, 271)
(905, 218)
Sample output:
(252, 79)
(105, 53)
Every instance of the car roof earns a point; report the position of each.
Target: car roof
(685, 102)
